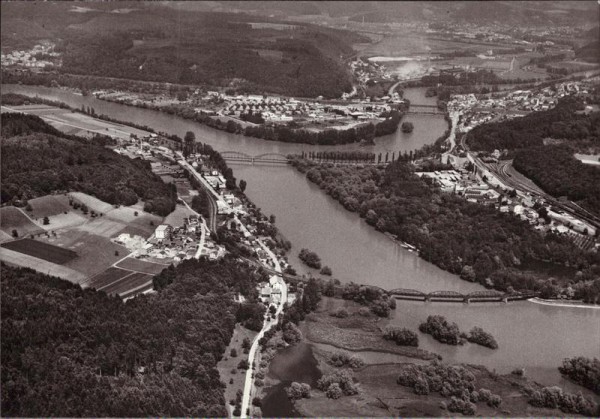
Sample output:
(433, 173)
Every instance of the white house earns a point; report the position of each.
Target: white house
(163, 232)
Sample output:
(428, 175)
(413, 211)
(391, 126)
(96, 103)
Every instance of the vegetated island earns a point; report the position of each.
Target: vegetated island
(450, 232)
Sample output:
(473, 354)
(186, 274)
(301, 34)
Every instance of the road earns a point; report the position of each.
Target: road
(213, 195)
(267, 324)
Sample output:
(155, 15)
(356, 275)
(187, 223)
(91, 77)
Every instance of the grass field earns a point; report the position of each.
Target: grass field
(176, 217)
(49, 205)
(106, 278)
(12, 218)
(141, 266)
(93, 203)
(21, 259)
(104, 227)
(42, 250)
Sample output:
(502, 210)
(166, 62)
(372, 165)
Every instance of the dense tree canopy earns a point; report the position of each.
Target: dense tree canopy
(561, 122)
(558, 172)
(73, 352)
(38, 160)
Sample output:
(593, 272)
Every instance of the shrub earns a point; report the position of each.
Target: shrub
(233, 353)
(340, 313)
(298, 391)
(479, 336)
(402, 337)
(583, 371)
(326, 270)
(310, 259)
(243, 365)
(341, 359)
(380, 308)
(442, 331)
(461, 406)
(554, 397)
(257, 401)
(342, 378)
(334, 391)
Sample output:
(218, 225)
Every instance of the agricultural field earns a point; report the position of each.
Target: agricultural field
(21, 259)
(141, 266)
(130, 283)
(96, 253)
(106, 278)
(42, 250)
(176, 217)
(12, 218)
(76, 123)
(104, 227)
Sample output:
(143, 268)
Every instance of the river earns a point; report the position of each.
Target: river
(530, 335)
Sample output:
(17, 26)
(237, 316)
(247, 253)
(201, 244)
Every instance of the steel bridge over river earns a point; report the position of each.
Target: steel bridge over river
(484, 296)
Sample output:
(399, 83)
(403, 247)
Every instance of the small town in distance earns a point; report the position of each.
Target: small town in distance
(300, 209)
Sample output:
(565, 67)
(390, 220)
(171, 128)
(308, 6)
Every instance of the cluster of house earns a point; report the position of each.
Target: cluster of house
(476, 111)
(272, 108)
(368, 70)
(39, 57)
(270, 293)
(181, 243)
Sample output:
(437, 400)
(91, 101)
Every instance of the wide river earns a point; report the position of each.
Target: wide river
(530, 335)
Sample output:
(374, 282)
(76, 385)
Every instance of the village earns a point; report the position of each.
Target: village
(41, 56)
(185, 234)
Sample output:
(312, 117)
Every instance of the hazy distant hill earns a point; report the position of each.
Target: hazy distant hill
(146, 41)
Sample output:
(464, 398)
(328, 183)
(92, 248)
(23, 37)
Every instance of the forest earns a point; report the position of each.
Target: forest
(474, 241)
(561, 122)
(39, 160)
(558, 172)
(71, 352)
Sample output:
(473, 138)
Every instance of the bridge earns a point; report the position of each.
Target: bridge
(486, 296)
(424, 109)
(267, 158)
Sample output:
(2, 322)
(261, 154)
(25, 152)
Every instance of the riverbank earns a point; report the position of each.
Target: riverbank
(356, 132)
(376, 375)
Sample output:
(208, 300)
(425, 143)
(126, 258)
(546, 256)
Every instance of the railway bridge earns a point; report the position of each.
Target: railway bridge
(484, 296)
(267, 158)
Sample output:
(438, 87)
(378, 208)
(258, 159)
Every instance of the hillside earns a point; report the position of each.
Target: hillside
(563, 122)
(71, 352)
(38, 160)
(154, 43)
(589, 52)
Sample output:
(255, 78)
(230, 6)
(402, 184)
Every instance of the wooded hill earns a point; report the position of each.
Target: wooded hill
(71, 352)
(38, 160)
(156, 43)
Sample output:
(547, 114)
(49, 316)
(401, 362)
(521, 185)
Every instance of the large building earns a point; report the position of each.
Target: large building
(163, 232)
